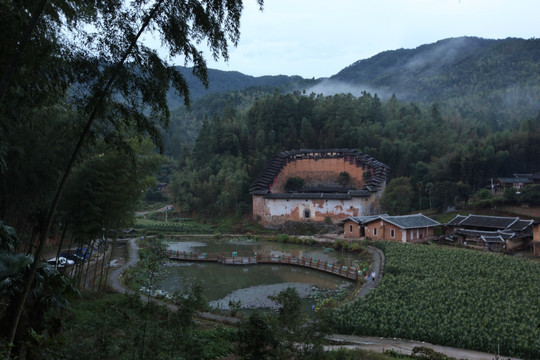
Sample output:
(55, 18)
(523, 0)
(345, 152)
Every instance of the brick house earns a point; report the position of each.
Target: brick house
(336, 184)
(404, 228)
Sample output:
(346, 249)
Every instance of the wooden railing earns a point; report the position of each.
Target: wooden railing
(251, 258)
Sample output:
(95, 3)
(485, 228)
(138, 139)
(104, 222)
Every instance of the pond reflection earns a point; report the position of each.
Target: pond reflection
(251, 284)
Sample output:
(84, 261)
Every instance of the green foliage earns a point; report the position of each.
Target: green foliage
(294, 184)
(289, 302)
(443, 154)
(9, 241)
(530, 194)
(451, 297)
(256, 339)
(50, 295)
(398, 196)
(344, 178)
(110, 327)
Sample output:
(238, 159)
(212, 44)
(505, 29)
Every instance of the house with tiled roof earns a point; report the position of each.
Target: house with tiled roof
(403, 228)
(490, 232)
(517, 182)
(335, 184)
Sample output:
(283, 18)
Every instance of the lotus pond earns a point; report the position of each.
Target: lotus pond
(250, 285)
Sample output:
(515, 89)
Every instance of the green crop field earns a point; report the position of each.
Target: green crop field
(172, 227)
(453, 297)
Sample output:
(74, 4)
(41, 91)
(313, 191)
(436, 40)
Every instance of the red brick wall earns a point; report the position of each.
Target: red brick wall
(384, 232)
(319, 172)
(351, 229)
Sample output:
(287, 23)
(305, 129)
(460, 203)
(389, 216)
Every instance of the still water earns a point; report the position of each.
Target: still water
(252, 284)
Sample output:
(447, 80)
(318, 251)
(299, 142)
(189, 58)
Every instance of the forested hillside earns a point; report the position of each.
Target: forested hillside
(224, 81)
(490, 80)
(444, 157)
(464, 110)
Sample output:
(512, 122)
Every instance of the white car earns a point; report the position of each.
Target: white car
(60, 262)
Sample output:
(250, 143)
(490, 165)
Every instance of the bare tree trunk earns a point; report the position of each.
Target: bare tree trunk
(60, 245)
(103, 264)
(91, 246)
(31, 274)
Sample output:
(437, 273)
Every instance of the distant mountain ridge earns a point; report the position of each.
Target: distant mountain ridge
(447, 64)
(484, 78)
(224, 81)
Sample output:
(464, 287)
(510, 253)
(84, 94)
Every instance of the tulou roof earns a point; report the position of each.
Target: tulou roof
(403, 221)
(263, 183)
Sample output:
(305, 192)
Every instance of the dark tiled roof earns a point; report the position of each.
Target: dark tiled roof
(512, 180)
(402, 221)
(455, 221)
(412, 221)
(364, 219)
(319, 195)
(479, 233)
(488, 222)
(521, 225)
(262, 185)
(325, 196)
(492, 239)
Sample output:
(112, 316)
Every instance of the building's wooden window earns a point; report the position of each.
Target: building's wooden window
(307, 213)
(350, 228)
(392, 233)
(374, 231)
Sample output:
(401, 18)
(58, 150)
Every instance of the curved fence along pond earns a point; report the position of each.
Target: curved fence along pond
(253, 258)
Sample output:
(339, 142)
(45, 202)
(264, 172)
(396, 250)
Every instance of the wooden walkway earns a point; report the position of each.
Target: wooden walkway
(252, 258)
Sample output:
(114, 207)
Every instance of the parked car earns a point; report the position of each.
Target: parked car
(72, 256)
(60, 262)
(83, 253)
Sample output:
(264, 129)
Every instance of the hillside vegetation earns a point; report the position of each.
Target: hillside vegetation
(445, 158)
(492, 80)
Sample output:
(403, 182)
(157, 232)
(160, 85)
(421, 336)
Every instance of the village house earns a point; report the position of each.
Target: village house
(490, 232)
(329, 185)
(516, 182)
(404, 228)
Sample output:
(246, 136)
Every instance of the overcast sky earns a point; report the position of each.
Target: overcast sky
(318, 38)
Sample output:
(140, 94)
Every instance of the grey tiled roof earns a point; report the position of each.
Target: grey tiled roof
(492, 239)
(412, 221)
(263, 183)
(488, 222)
(521, 225)
(455, 221)
(479, 233)
(402, 221)
(364, 219)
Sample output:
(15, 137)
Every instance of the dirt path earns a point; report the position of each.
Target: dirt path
(405, 347)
